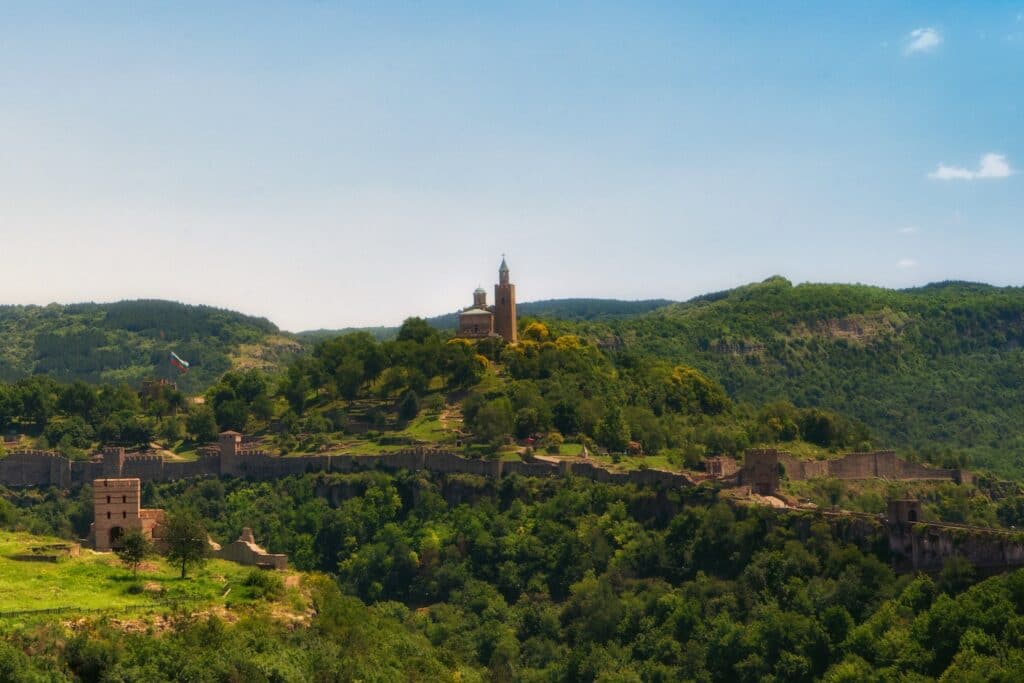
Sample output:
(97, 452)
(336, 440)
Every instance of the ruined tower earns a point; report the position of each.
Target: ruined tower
(505, 305)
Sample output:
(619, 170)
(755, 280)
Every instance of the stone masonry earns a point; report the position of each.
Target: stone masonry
(117, 510)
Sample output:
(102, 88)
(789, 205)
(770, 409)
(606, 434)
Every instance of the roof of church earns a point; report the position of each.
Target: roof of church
(480, 290)
(503, 265)
(475, 311)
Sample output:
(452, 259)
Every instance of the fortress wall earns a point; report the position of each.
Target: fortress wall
(853, 466)
(203, 467)
(529, 469)
(35, 468)
(887, 465)
(796, 469)
(83, 472)
(404, 460)
(447, 463)
(926, 547)
(260, 465)
(912, 470)
(144, 467)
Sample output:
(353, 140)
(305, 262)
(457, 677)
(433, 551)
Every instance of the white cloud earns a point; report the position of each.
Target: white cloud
(910, 230)
(991, 166)
(906, 263)
(921, 40)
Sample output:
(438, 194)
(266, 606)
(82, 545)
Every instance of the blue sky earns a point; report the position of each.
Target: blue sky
(326, 164)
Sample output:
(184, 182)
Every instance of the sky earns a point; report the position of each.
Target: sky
(331, 164)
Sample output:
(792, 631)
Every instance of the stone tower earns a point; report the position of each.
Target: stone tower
(505, 306)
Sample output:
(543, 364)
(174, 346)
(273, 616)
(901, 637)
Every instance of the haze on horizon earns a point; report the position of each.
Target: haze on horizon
(326, 166)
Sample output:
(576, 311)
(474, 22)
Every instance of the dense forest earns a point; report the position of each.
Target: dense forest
(461, 578)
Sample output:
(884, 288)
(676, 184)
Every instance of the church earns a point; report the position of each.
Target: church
(480, 321)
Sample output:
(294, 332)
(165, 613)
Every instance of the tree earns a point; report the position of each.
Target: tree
(133, 549)
(202, 424)
(612, 431)
(416, 330)
(409, 407)
(494, 419)
(185, 537)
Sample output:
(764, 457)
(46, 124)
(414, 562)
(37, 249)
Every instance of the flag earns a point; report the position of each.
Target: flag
(178, 362)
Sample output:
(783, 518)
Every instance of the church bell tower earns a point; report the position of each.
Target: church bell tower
(505, 305)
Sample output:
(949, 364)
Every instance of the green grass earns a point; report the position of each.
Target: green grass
(426, 428)
(96, 581)
(635, 462)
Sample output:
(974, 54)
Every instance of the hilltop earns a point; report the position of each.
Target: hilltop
(129, 341)
(547, 309)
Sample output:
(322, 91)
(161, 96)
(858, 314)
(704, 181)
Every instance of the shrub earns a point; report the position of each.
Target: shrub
(262, 584)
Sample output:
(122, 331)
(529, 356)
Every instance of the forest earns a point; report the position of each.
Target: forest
(415, 576)
(461, 578)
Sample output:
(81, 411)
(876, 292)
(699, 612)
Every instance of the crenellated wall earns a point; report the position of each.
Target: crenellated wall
(45, 468)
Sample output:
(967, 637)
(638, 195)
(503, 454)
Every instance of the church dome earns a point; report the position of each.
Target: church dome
(479, 290)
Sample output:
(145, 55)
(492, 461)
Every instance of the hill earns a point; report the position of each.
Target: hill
(547, 309)
(129, 341)
(938, 368)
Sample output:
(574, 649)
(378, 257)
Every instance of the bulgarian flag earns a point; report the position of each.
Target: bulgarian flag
(178, 362)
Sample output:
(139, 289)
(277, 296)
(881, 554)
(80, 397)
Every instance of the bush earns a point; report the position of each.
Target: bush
(263, 584)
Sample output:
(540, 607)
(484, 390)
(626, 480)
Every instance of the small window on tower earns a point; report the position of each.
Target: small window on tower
(124, 499)
(124, 514)
(108, 500)
(108, 514)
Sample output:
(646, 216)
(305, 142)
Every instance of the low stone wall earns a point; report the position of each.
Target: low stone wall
(759, 463)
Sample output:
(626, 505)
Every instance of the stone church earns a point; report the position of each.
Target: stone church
(480, 321)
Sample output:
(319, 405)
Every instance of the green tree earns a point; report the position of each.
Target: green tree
(185, 537)
(409, 407)
(202, 424)
(612, 431)
(133, 549)
(494, 419)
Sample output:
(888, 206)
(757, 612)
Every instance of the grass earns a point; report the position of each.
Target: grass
(634, 462)
(426, 428)
(95, 581)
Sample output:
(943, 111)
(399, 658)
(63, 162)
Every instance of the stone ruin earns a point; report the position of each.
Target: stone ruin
(246, 551)
(117, 510)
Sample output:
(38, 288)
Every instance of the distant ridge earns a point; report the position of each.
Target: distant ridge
(578, 309)
(129, 341)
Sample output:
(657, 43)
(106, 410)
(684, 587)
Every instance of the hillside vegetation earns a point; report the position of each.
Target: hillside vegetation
(465, 579)
(938, 369)
(129, 341)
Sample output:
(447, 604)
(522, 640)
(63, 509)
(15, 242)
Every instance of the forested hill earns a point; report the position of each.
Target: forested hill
(129, 341)
(940, 364)
(547, 309)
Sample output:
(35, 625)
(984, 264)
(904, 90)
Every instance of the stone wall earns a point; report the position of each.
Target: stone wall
(926, 547)
(245, 551)
(760, 471)
(757, 471)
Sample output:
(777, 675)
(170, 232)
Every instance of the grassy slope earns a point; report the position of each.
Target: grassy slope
(99, 581)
